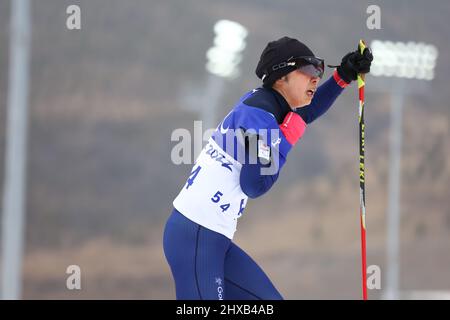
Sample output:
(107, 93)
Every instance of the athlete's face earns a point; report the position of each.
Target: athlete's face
(297, 88)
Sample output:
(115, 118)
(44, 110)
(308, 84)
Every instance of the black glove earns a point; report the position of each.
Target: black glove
(354, 63)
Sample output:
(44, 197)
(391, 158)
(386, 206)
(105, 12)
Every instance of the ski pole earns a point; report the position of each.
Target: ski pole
(362, 187)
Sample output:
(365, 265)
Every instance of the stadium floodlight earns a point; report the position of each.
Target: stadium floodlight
(404, 61)
(223, 60)
(224, 57)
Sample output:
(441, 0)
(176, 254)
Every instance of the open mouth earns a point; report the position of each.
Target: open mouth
(310, 92)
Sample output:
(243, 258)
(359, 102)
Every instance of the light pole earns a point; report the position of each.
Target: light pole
(222, 63)
(15, 161)
(402, 61)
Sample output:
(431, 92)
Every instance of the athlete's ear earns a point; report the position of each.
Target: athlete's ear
(279, 81)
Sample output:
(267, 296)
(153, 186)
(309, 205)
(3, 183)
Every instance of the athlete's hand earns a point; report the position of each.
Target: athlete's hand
(354, 63)
(293, 127)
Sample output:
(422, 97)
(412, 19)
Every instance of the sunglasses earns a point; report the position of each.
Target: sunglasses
(312, 66)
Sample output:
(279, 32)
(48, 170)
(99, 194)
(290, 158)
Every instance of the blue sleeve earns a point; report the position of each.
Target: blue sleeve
(325, 96)
(257, 178)
(253, 183)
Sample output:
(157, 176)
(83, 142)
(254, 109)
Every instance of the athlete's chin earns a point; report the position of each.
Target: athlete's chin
(305, 102)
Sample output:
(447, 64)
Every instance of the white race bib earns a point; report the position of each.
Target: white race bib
(212, 196)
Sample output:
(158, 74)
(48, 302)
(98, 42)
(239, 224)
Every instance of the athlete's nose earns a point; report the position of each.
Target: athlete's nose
(315, 80)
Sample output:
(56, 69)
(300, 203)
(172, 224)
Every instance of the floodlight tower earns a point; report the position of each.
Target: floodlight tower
(222, 63)
(400, 61)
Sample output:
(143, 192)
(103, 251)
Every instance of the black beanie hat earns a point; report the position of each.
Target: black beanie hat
(277, 52)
